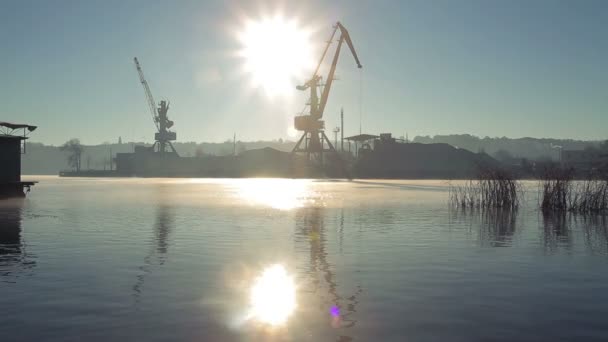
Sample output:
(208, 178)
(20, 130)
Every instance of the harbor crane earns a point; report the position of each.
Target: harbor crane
(313, 139)
(163, 136)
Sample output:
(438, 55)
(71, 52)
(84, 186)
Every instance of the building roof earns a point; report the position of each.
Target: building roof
(9, 130)
(17, 126)
(362, 137)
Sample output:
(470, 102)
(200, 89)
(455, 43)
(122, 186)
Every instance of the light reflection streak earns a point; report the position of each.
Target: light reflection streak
(283, 194)
(311, 231)
(165, 222)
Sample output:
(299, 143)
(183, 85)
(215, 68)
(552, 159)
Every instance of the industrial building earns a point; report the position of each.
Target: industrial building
(386, 157)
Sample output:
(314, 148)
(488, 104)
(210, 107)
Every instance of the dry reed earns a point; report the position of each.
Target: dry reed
(560, 193)
(492, 189)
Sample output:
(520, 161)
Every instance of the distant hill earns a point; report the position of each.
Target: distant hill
(530, 148)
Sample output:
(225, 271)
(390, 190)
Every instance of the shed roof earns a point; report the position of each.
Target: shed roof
(362, 137)
(17, 126)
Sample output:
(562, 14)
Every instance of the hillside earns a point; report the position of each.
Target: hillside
(530, 148)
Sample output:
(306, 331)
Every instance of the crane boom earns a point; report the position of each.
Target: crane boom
(317, 105)
(149, 96)
(344, 36)
(331, 39)
(350, 44)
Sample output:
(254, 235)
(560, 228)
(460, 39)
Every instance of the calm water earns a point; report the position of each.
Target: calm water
(159, 260)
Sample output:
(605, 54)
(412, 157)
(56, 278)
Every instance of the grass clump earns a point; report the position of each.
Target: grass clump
(556, 189)
(492, 188)
(590, 196)
(561, 193)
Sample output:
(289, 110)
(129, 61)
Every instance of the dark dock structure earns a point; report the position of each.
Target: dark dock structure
(12, 145)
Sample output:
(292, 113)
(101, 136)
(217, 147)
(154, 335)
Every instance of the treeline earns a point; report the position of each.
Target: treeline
(505, 148)
(41, 159)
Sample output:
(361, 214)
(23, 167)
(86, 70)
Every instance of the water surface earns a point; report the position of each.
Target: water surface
(175, 259)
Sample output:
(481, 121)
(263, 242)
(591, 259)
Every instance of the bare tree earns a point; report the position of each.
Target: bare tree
(74, 149)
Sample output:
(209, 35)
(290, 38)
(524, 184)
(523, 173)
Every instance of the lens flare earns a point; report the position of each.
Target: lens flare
(273, 296)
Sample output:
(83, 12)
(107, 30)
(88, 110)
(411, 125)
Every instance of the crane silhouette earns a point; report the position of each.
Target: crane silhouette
(313, 140)
(163, 136)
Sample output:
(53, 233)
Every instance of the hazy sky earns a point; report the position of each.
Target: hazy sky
(496, 68)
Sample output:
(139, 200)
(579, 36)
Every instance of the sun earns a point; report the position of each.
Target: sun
(277, 54)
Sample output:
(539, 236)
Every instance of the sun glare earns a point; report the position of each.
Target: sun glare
(277, 53)
(282, 194)
(273, 296)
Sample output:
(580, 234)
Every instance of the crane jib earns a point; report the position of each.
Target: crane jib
(313, 83)
(149, 97)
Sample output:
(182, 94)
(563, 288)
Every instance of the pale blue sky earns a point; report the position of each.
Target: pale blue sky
(497, 68)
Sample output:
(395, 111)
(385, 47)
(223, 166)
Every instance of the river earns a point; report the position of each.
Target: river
(177, 259)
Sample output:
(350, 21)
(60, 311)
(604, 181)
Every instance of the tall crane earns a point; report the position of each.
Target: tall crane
(163, 137)
(313, 139)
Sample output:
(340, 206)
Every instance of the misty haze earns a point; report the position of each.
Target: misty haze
(304, 171)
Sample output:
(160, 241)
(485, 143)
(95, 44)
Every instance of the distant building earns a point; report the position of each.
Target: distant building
(383, 156)
(362, 142)
(587, 159)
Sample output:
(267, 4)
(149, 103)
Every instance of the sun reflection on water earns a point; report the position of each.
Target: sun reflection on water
(273, 296)
(283, 194)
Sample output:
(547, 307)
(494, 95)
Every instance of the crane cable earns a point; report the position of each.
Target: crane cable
(360, 98)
